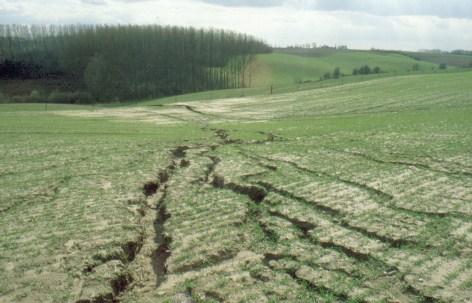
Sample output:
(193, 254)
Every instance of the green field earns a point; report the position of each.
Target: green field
(281, 68)
(257, 91)
(357, 191)
(456, 60)
(285, 70)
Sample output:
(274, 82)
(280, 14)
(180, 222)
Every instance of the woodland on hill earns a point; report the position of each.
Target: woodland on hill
(110, 63)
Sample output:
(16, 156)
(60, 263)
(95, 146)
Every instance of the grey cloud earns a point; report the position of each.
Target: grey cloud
(439, 8)
(247, 3)
(11, 17)
(135, 1)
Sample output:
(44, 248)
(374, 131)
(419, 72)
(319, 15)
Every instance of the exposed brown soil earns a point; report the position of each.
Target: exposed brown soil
(255, 193)
(180, 151)
(305, 227)
(162, 253)
(150, 188)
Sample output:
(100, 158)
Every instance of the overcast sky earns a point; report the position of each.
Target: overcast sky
(388, 24)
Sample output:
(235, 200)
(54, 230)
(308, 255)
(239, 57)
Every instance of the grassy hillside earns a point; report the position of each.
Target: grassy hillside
(450, 59)
(282, 68)
(352, 193)
(261, 90)
(280, 89)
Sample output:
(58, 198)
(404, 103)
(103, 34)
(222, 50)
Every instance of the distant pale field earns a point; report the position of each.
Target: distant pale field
(353, 193)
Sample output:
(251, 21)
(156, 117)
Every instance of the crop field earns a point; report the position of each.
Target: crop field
(358, 192)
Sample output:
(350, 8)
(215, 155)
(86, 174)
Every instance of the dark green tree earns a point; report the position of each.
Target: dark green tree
(95, 77)
(337, 73)
(364, 70)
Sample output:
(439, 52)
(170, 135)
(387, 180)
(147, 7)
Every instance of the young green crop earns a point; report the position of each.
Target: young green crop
(350, 193)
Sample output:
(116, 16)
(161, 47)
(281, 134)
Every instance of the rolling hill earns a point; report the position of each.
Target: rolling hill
(281, 68)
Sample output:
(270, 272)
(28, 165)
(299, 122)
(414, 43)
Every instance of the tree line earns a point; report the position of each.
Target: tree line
(128, 62)
(363, 70)
(366, 70)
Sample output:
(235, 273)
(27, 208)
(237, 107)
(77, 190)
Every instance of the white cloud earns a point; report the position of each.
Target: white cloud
(279, 25)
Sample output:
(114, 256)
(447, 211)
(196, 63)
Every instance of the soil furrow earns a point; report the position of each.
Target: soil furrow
(317, 289)
(313, 204)
(123, 280)
(211, 168)
(162, 253)
(423, 298)
(254, 193)
(404, 163)
(303, 226)
(336, 216)
(198, 112)
(372, 191)
(211, 261)
(384, 197)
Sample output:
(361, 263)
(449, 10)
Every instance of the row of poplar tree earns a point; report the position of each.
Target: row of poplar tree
(128, 62)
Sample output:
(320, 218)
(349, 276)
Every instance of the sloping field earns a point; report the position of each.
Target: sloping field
(450, 59)
(354, 193)
(283, 68)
